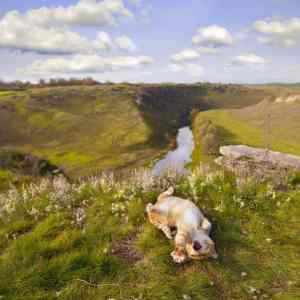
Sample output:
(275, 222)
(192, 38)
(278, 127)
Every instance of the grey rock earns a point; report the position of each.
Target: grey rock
(279, 159)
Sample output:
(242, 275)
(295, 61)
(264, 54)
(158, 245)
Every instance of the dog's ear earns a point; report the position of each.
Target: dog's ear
(213, 252)
(206, 225)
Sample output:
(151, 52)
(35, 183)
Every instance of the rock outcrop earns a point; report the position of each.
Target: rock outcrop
(257, 164)
(273, 158)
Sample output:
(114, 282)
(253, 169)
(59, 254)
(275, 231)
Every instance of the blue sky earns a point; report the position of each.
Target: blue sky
(151, 40)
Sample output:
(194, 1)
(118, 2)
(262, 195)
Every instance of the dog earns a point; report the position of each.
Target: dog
(192, 237)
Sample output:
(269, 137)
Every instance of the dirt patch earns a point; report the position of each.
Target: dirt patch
(125, 250)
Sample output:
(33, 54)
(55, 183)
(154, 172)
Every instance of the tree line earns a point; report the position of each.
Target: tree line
(22, 85)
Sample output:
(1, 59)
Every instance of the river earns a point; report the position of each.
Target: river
(178, 158)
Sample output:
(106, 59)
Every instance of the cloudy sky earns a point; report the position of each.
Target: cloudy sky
(151, 40)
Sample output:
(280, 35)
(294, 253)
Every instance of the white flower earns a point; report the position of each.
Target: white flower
(244, 274)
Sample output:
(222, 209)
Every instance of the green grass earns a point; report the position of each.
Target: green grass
(81, 129)
(5, 178)
(5, 93)
(48, 252)
(232, 129)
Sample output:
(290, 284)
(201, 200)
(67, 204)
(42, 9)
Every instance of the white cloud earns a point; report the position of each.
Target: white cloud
(249, 59)
(22, 34)
(286, 33)
(191, 69)
(213, 36)
(85, 13)
(209, 51)
(103, 41)
(185, 55)
(125, 43)
(85, 64)
(40, 30)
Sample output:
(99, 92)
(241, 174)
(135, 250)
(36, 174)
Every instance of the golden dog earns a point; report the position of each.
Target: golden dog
(192, 238)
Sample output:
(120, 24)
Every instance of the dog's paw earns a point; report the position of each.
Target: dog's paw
(168, 234)
(179, 258)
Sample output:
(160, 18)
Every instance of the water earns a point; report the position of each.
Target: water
(177, 159)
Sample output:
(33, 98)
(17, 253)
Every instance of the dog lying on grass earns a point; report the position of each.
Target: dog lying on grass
(192, 238)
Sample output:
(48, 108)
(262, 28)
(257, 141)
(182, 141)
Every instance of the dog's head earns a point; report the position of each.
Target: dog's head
(201, 247)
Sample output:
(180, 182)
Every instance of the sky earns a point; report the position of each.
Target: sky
(232, 41)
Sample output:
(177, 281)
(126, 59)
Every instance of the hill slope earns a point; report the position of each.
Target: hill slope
(90, 128)
(92, 241)
(270, 124)
(74, 127)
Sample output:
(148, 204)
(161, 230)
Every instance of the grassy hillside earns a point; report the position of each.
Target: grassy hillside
(92, 240)
(84, 129)
(77, 128)
(266, 124)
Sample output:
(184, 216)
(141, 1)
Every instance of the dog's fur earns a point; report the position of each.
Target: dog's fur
(192, 238)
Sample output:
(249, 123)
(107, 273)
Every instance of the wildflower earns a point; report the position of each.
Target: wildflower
(244, 274)
(269, 240)
(48, 208)
(34, 213)
(58, 293)
(79, 217)
(186, 297)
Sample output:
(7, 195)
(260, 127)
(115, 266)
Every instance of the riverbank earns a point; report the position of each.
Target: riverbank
(177, 159)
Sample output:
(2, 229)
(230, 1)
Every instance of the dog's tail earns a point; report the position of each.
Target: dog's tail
(169, 192)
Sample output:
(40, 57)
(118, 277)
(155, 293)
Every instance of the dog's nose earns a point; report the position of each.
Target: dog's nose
(196, 246)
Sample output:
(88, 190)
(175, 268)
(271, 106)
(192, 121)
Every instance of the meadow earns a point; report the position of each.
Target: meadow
(86, 236)
(92, 240)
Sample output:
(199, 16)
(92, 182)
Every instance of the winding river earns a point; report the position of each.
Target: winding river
(178, 158)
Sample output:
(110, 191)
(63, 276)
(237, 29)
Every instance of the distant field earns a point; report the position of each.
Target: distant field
(87, 129)
(5, 93)
(76, 128)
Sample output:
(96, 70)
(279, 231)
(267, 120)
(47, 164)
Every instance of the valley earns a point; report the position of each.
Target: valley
(89, 129)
